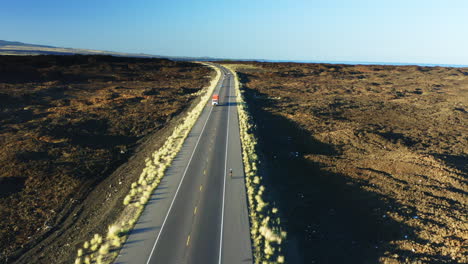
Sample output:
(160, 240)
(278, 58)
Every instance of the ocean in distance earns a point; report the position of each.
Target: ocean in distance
(368, 63)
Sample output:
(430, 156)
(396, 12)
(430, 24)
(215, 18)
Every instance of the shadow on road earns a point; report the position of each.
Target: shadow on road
(142, 230)
(227, 104)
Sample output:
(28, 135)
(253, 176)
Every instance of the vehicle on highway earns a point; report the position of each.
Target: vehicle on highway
(215, 100)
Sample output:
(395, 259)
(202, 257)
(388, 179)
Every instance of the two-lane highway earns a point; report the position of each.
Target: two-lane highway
(198, 214)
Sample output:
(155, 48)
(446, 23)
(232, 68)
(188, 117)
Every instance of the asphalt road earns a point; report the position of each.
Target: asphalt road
(199, 214)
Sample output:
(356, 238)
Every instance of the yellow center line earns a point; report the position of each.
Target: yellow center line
(195, 211)
(201, 187)
(204, 172)
(188, 240)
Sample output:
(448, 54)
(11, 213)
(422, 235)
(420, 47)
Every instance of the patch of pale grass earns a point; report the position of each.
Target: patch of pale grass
(266, 233)
(148, 181)
(104, 249)
(113, 231)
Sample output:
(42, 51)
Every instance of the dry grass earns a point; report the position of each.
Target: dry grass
(266, 232)
(374, 157)
(149, 180)
(66, 124)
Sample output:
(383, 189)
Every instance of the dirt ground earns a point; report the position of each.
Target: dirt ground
(368, 164)
(66, 124)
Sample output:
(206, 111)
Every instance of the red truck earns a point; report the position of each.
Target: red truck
(215, 99)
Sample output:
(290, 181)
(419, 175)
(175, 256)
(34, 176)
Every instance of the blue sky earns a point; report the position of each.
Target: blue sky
(412, 31)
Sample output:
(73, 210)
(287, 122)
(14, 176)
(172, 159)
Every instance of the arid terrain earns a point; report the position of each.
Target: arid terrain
(368, 164)
(67, 122)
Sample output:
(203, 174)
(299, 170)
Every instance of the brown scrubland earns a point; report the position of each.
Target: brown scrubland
(368, 163)
(67, 123)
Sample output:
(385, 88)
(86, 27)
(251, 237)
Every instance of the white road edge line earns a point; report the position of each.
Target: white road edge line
(225, 175)
(180, 184)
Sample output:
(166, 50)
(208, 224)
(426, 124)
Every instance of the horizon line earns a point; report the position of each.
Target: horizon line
(270, 60)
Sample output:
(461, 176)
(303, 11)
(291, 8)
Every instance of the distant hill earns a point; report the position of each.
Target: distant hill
(20, 48)
(21, 44)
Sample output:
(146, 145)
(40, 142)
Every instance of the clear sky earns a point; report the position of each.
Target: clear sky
(414, 31)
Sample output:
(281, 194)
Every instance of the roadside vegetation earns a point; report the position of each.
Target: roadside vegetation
(368, 162)
(67, 125)
(105, 249)
(265, 225)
